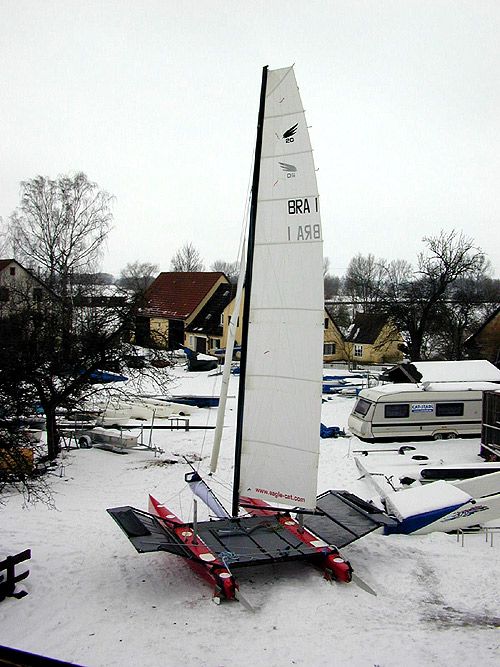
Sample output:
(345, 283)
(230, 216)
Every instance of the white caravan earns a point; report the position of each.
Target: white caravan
(439, 410)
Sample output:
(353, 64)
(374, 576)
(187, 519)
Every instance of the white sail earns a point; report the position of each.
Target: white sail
(282, 408)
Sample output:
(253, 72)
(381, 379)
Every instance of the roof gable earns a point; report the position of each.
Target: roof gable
(4, 263)
(488, 320)
(208, 319)
(366, 328)
(177, 294)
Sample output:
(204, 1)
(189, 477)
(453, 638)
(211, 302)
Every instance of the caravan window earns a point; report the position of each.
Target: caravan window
(396, 410)
(362, 407)
(449, 409)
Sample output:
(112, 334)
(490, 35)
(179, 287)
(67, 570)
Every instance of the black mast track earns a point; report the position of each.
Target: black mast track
(248, 285)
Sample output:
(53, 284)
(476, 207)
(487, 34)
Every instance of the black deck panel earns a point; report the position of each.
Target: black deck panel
(253, 540)
(146, 532)
(346, 518)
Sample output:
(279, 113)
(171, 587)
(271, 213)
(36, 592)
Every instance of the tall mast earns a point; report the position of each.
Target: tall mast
(248, 285)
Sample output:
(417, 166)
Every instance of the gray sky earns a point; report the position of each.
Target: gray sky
(156, 101)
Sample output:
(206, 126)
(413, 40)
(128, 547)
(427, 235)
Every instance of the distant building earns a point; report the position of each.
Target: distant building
(485, 343)
(19, 286)
(208, 330)
(333, 340)
(172, 302)
(373, 339)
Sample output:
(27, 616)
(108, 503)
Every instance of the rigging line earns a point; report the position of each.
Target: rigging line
(278, 83)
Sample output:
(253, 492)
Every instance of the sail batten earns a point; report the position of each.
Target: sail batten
(282, 386)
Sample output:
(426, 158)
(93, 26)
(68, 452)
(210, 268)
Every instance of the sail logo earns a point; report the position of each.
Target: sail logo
(289, 169)
(288, 135)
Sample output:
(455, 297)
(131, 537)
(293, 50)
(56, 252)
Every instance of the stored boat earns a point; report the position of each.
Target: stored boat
(440, 506)
(276, 459)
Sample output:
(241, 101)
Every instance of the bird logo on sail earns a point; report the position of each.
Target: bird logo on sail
(288, 135)
(290, 169)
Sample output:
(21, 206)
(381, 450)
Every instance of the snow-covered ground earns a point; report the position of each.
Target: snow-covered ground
(94, 601)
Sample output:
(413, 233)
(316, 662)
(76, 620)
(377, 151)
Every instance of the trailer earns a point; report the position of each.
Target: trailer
(432, 411)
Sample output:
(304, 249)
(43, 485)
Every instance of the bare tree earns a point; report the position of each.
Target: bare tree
(4, 241)
(60, 226)
(187, 258)
(415, 302)
(331, 283)
(230, 269)
(364, 279)
(138, 276)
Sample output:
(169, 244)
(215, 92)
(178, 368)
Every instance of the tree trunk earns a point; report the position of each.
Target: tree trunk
(53, 437)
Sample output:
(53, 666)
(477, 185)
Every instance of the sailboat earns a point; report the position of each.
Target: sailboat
(279, 398)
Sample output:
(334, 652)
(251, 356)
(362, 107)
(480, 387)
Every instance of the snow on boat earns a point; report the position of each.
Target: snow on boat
(441, 505)
(107, 438)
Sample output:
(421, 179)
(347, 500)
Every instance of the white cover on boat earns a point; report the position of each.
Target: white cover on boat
(422, 499)
(285, 338)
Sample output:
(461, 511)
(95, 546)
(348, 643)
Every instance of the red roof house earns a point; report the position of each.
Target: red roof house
(172, 302)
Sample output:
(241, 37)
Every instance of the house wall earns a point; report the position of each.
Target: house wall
(226, 315)
(487, 341)
(384, 350)
(18, 286)
(332, 336)
(386, 347)
(159, 331)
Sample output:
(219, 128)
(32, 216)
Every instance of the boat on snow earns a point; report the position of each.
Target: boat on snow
(439, 506)
(276, 514)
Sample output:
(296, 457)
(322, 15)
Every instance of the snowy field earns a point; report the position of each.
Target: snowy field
(94, 601)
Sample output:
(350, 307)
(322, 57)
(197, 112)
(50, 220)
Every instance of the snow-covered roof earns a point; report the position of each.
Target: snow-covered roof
(457, 371)
(401, 388)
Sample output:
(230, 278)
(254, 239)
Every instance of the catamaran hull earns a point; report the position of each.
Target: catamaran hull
(203, 561)
(206, 563)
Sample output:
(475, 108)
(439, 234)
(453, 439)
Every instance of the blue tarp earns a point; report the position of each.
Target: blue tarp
(330, 431)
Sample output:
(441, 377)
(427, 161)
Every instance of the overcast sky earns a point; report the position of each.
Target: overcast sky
(157, 100)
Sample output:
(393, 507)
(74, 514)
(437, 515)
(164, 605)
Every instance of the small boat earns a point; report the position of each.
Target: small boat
(197, 401)
(440, 506)
(116, 440)
(458, 471)
(276, 514)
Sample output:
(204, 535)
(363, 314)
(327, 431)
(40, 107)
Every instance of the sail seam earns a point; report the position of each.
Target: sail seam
(284, 377)
(277, 444)
(283, 115)
(287, 198)
(270, 157)
(320, 242)
(300, 310)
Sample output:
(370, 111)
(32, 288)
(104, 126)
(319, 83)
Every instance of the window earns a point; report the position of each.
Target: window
(449, 409)
(395, 410)
(37, 294)
(12, 270)
(358, 350)
(326, 322)
(329, 348)
(362, 407)
(4, 294)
